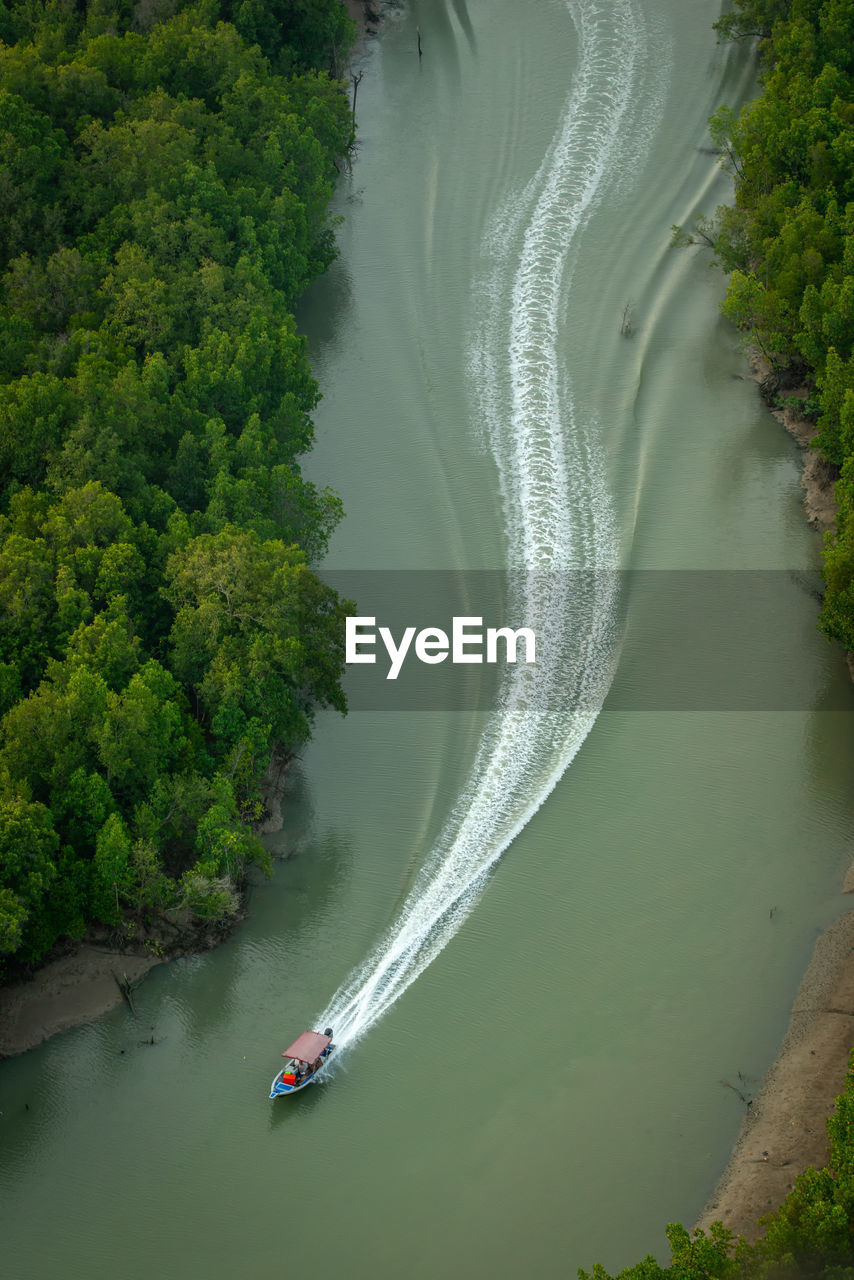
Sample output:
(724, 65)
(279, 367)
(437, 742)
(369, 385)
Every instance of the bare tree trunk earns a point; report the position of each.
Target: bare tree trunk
(357, 80)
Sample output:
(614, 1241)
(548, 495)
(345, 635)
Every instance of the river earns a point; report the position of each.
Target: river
(546, 935)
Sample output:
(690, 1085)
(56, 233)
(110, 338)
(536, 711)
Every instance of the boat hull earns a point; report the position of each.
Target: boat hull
(278, 1089)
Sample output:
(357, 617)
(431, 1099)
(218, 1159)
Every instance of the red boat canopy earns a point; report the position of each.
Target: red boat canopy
(307, 1047)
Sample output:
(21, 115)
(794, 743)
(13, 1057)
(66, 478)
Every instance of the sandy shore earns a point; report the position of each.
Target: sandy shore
(784, 1130)
(74, 989)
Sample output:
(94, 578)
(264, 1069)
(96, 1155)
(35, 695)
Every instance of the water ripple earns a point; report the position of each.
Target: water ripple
(558, 513)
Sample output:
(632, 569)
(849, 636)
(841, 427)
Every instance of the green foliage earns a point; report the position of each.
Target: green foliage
(755, 310)
(111, 869)
(28, 848)
(239, 640)
(299, 34)
(165, 175)
(789, 242)
(209, 897)
(752, 18)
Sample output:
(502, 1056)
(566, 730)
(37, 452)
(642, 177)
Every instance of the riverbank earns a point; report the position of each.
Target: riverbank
(81, 981)
(81, 985)
(784, 1130)
(818, 477)
(791, 308)
(69, 991)
(368, 17)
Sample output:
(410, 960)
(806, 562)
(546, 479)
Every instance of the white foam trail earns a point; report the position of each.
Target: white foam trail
(558, 517)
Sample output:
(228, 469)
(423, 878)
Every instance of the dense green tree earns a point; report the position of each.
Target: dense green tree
(28, 848)
(240, 639)
(111, 870)
(298, 33)
(165, 177)
(33, 155)
(752, 18)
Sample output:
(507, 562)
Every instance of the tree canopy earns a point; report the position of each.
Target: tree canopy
(165, 176)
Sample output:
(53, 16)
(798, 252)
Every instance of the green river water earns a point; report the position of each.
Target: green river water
(546, 1091)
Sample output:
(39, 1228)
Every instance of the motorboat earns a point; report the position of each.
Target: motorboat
(305, 1058)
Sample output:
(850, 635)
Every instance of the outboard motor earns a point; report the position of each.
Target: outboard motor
(328, 1032)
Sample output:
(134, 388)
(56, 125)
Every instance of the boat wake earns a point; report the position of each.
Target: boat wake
(561, 544)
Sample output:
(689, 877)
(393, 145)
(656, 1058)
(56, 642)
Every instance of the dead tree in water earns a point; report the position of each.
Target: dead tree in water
(357, 80)
(126, 987)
